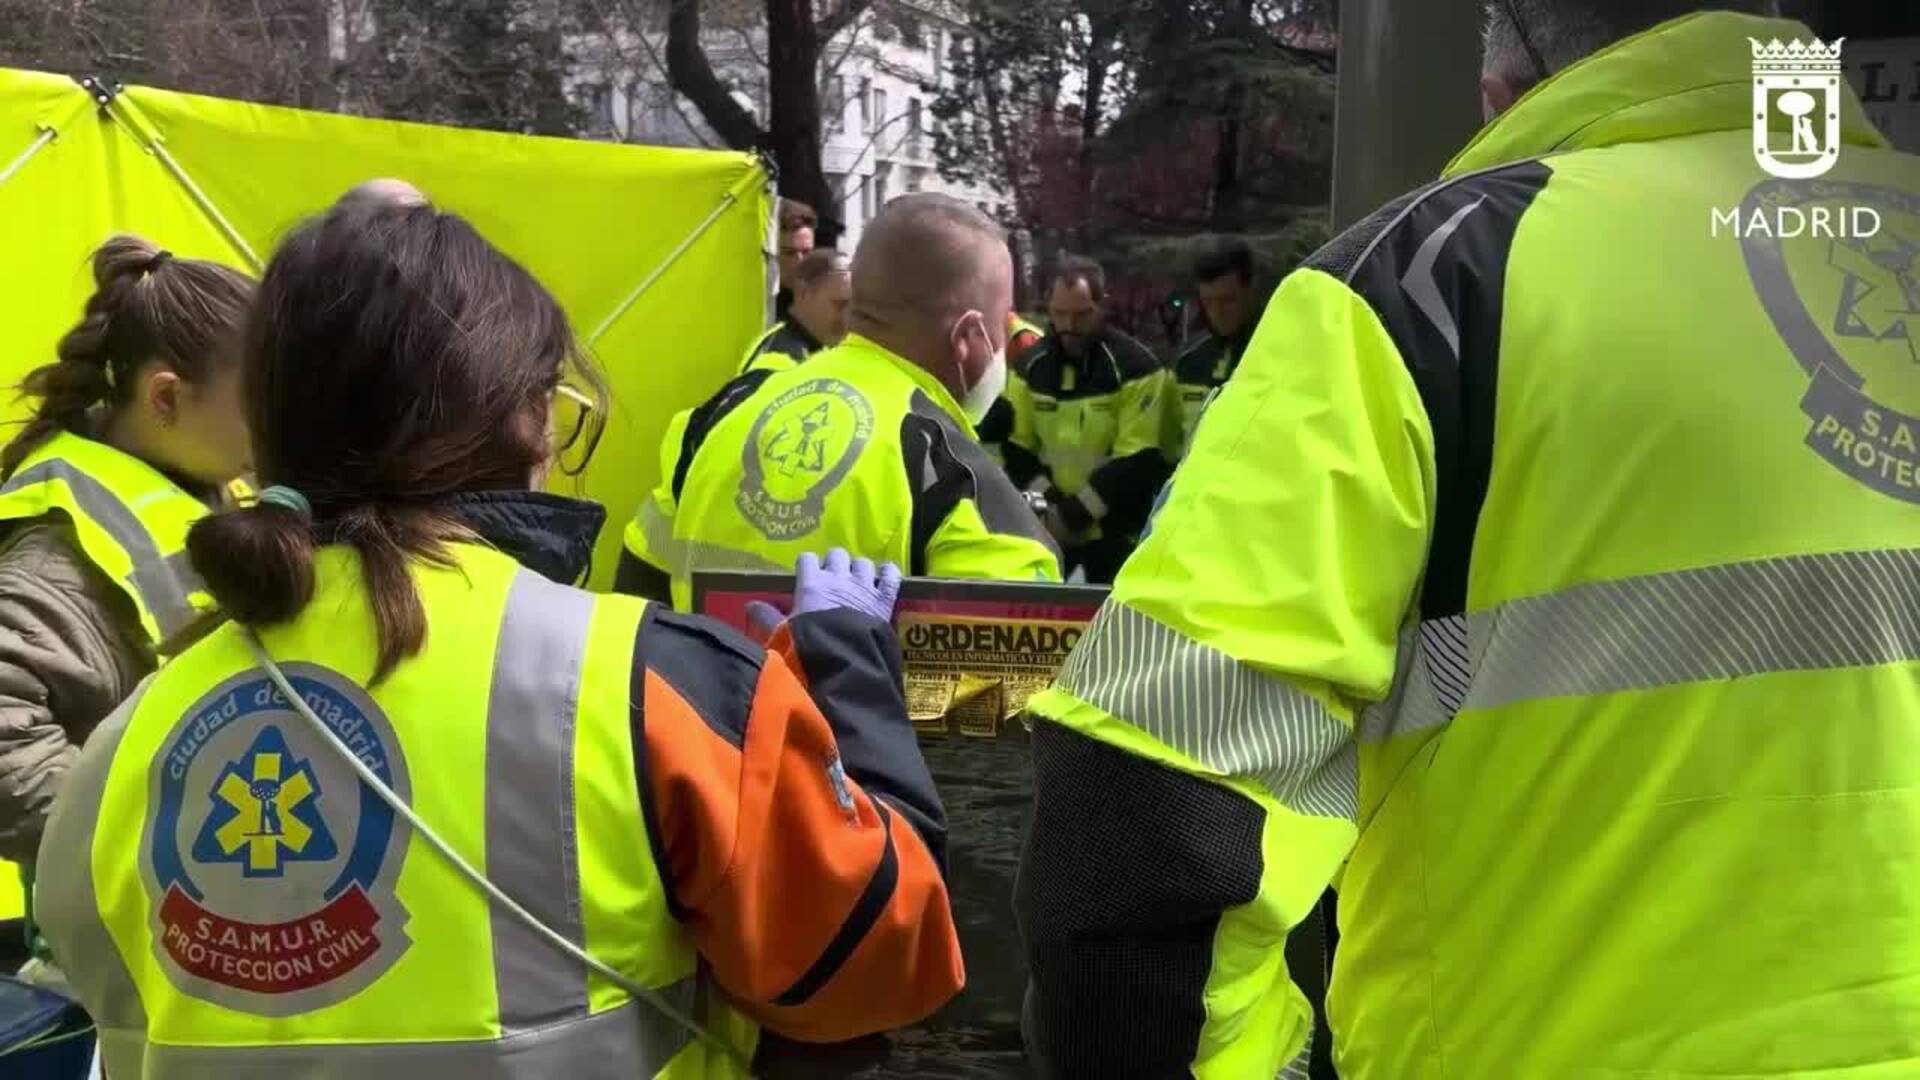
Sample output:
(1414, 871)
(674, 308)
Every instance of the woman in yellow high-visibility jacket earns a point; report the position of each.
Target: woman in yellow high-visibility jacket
(135, 427)
(423, 806)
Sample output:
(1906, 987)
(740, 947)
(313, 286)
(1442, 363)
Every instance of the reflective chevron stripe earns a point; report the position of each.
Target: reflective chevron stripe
(1222, 713)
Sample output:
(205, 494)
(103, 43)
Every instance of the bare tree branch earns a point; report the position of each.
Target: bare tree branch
(691, 73)
(618, 24)
(842, 17)
(747, 45)
(673, 97)
(853, 40)
(873, 140)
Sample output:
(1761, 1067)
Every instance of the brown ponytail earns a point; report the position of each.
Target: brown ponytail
(258, 563)
(394, 359)
(146, 306)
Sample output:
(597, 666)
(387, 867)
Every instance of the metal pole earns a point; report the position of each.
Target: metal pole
(1408, 97)
(47, 135)
(646, 283)
(726, 202)
(154, 145)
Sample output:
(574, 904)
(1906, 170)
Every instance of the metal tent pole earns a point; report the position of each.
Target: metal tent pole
(46, 136)
(121, 111)
(726, 203)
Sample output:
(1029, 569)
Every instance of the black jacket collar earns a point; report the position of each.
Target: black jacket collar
(793, 329)
(549, 534)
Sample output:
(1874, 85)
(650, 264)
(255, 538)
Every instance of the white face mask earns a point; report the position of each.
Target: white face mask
(977, 400)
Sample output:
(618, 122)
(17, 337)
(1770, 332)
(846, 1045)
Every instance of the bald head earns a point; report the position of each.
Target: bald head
(383, 191)
(929, 258)
(933, 282)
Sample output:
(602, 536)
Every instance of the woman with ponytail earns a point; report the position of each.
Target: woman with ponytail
(134, 429)
(424, 807)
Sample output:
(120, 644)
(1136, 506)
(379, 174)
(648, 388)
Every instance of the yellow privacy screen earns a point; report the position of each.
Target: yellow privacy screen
(659, 255)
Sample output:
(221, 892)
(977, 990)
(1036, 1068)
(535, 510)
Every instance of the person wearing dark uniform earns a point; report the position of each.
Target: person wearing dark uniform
(816, 318)
(1089, 424)
(797, 222)
(1223, 278)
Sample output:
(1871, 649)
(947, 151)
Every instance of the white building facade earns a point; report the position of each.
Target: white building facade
(878, 80)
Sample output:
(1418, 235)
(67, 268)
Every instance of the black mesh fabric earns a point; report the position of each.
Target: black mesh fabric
(1127, 869)
(1341, 254)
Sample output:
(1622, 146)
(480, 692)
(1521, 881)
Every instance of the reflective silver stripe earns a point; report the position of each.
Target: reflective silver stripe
(65, 904)
(1091, 499)
(683, 557)
(1419, 282)
(162, 583)
(1222, 713)
(531, 852)
(632, 1042)
(699, 555)
(1796, 613)
(1301, 1067)
(1429, 685)
(657, 526)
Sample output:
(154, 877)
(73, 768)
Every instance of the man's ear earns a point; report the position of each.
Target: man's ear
(162, 389)
(1497, 95)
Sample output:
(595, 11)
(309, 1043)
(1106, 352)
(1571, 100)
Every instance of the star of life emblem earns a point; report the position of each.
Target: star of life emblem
(265, 812)
(1796, 107)
(270, 868)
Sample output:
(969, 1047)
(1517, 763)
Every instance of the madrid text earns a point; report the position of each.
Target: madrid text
(1795, 222)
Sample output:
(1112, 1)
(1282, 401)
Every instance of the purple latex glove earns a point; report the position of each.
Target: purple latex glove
(841, 582)
(845, 582)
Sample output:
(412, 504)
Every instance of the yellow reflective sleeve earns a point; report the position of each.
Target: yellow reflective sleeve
(1261, 612)
(1320, 447)
(1018, 395)
(964, 547)
(649, 536)
(1177, 422)
(1141, 423)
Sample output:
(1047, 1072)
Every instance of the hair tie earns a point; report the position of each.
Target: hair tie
(160, 259)
(287, 499)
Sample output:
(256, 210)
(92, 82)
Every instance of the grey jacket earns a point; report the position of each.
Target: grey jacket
(71, 650)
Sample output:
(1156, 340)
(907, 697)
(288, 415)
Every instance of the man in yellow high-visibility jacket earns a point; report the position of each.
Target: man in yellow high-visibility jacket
(869, 446)
(1091, 411)
(1223, 277)
(1546, 575)
(997, 427)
